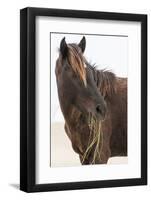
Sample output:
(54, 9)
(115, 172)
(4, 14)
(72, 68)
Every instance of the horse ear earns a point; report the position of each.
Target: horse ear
(63, 48)
(82, 44)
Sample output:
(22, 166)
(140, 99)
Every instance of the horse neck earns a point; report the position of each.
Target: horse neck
(106, 82)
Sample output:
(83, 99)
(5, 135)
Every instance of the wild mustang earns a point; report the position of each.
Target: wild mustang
(94, 105)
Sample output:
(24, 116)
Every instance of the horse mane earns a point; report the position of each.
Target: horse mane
(77, 61)
(105, 80)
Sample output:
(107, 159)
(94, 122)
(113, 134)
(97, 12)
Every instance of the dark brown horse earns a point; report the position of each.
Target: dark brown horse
(94, 105)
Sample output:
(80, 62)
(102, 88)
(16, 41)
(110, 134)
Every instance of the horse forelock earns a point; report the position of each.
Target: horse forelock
(77, 61)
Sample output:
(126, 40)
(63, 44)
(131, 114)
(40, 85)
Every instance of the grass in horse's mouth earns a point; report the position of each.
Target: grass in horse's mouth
(95, 139)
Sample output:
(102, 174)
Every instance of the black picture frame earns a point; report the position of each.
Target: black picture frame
(28, 98)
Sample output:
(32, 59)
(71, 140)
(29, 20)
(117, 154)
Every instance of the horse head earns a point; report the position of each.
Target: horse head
(75, 81)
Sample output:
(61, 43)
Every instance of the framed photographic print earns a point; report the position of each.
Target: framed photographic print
(83, 99)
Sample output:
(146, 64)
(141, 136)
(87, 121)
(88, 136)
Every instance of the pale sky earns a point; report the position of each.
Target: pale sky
(108, 52)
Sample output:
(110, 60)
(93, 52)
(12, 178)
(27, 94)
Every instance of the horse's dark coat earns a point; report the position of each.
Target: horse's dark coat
(105, 96)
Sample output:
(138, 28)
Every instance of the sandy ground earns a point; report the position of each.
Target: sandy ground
(62, 154)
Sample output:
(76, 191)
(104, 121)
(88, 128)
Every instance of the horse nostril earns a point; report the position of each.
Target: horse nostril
(100, 110)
